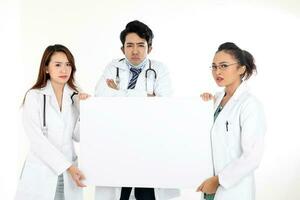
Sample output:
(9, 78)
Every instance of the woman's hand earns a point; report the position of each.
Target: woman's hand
(209, 186)
(83, 96)
(151, 95)
(76, 175)
(111, 83)
(207, 96)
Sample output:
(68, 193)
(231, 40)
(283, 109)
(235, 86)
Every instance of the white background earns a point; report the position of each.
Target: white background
(187, 33)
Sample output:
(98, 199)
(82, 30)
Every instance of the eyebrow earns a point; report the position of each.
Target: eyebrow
(223, 62)
(60, 62)
(136, 43)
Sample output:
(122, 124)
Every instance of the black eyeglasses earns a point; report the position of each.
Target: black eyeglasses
(222, 67)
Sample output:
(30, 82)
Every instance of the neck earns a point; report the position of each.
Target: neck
(136, 66)
(58, 91)
(58, 88)
(230, 89)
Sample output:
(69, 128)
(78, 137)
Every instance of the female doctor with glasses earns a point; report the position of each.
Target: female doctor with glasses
(237, 135)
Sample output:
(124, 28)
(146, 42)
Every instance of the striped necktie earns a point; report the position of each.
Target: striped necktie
(135, 74)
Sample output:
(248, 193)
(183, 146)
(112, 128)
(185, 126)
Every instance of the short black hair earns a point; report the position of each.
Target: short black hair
(141, 29)
(242, 56)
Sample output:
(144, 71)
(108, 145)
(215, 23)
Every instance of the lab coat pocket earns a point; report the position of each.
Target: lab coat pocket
(229, 133)
(232, 138)
(30, 178)
(22, 170)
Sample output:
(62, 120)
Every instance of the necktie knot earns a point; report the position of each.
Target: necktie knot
(135, 71)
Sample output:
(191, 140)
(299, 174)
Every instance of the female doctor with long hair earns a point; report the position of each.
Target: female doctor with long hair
(50, 118)
(238, 131)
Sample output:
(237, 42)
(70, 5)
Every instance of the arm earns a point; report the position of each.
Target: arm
(163, 85)
(39, 144)
(76, 132)
(252, 121)
(106, 86)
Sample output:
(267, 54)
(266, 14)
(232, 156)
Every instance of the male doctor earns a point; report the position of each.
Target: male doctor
(134, 76)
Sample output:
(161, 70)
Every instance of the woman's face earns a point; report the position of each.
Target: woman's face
(59, 68)
(226, 70)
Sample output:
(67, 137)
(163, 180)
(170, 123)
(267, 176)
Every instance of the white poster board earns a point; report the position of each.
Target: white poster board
(146, 142)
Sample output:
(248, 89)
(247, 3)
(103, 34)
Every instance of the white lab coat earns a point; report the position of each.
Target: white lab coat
(51, 155)
(238, 146)
(162, 87)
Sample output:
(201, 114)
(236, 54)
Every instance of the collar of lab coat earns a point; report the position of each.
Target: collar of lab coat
(48, 90)
(238, 92)
(121, 64)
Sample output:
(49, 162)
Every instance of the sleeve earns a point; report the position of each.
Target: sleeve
(253, 128)
(102, 89)
(163, 85)
(76, 133)
(39, 144)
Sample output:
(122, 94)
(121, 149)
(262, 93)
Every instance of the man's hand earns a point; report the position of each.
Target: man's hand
(111, 83)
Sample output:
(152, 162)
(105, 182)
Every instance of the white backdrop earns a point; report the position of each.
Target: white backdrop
(187, 33)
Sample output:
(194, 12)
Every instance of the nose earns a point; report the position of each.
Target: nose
(64, 69)
(217, 70)
(135, 50)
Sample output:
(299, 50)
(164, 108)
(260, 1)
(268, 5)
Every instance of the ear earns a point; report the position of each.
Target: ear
(122, 49)
(242, 70)
(149, 49)
(47, 72)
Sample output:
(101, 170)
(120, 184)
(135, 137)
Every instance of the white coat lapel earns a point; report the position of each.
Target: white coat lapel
(229, 105)
(67, 101)
(50, 96)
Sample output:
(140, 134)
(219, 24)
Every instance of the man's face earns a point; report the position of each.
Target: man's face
(135, 48)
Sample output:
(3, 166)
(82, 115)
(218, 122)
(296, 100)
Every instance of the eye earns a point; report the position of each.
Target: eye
(68, 64)
(57, 64)
(224, 66)
(141, 45)
(213, 67)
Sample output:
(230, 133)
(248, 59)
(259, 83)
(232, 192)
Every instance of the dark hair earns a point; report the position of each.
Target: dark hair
(43, 77)
(141, 29)
(243, 57)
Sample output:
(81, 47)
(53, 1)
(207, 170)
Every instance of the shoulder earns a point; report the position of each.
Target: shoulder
(33, 93)
(33, 97)
(116, 62)
(156, 64)
(160, 67)
(250, 103)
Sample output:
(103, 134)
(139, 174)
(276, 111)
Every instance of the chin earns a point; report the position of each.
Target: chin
(220, 84)
(135, 62)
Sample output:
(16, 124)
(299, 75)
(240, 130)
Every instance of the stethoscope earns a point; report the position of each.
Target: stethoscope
(44, 128)
(149, 70)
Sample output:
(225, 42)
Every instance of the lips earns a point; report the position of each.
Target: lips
(63, 77)
(219, 79)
